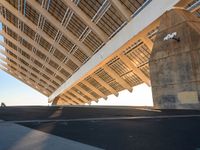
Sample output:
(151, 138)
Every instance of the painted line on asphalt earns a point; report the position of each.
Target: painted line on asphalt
(102, 119)
(149, 109)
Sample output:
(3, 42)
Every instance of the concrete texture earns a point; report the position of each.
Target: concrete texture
(17, 137)
(174, 64)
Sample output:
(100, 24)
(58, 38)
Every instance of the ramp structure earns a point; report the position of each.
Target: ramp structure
(78, 51)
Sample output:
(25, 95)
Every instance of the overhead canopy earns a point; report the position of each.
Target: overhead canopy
(67, 49)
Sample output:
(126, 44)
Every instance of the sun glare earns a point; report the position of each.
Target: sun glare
(140, 96)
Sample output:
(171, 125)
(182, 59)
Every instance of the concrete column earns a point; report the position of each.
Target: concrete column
(59, 101)
(175, 61)
(55, 102)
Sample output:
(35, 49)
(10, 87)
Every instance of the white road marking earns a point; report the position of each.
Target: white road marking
(149, 109)
(103, 119)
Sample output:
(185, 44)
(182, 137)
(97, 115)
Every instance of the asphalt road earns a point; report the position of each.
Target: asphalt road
(43, 113)
(119, 128)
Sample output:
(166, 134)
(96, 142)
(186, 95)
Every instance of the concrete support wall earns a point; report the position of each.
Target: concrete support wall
(175, 61)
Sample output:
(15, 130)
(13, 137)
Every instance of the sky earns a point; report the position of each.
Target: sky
(15, 93)
(140, 96)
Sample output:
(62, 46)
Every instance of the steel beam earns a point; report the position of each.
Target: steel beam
(34, 44)
(78, 95)
(94, 89)
(31, 53)
(85, 92)
(122, 9)
(147, 42)
(86, 19)
(58, 25)
(104, 84)
(41, 32)
(27, 67)
(63, 98)
(135, 70)
(17, 66)
(29, 61)
(73, 98)
(17, 43)
(31, 25)
(115, 76)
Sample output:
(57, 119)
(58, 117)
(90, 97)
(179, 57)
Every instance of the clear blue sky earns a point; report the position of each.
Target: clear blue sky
(15, 92)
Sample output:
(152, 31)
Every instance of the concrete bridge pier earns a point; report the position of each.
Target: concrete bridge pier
(175, 61)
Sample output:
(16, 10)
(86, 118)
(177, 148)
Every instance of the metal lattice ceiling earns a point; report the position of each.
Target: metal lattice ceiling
(47, 41)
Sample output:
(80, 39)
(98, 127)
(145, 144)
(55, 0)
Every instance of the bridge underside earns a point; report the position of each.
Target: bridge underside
(76, 52)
